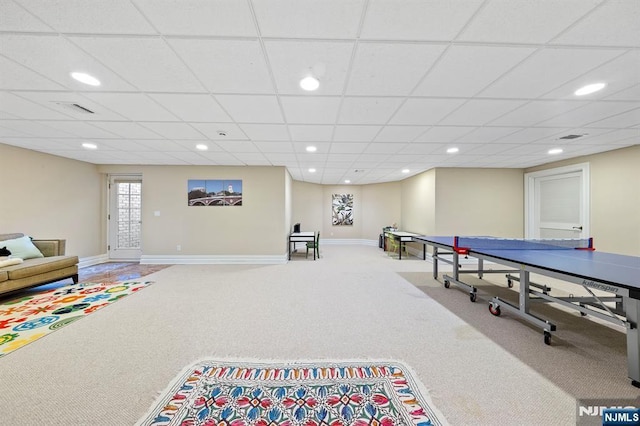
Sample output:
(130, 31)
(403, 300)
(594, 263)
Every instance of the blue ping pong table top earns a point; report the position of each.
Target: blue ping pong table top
(609, 268)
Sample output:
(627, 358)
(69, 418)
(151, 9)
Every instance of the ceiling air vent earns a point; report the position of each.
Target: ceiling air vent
(75, 107)
(571, 136)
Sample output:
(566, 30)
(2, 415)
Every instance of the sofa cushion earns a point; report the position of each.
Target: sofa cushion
(10, 236)
(23, 248)
(33, 267)
(3, 276)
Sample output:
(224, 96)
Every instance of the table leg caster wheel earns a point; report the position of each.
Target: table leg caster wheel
(447, 284)
(635, 383)
(473, 296)
(547, 338)
(495, 310)
(509, 283)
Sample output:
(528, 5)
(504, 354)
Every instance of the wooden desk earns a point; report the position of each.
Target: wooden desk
(302, 237)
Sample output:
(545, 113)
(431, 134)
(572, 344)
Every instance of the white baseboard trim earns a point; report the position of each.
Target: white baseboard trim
(93, 260)
(213, 260)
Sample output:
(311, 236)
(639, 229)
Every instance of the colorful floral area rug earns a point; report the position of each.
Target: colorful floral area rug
(28, 318)
(212, 393)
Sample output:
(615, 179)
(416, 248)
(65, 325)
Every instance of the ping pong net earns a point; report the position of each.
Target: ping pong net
(462, 245)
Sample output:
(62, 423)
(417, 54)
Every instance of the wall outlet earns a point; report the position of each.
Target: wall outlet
(178, 247)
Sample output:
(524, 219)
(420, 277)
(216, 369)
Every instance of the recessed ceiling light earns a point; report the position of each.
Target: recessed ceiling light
(202, 147)
(452, 150)
(405, 170)
(311, 149)
(347, 181)
(85, 78)
(309, 83)
(89, 145)
(589, 88)
(312, 170)
(555, 151)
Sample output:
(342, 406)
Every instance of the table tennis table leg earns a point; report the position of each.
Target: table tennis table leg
(435, 262)
(632, 312)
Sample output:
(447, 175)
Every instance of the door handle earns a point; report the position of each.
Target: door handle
(579, 228)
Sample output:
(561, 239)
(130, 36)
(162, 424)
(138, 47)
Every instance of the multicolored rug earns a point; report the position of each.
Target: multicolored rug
(212, 393)
(28, 318)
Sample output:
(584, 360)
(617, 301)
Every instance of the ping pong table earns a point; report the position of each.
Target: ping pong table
(573, 261)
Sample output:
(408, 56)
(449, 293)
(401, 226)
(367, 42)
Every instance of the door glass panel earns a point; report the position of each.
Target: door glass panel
(129, 214)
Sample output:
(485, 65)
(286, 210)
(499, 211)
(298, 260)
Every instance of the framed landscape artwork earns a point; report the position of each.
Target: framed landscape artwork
(227, 192)
(342, 209)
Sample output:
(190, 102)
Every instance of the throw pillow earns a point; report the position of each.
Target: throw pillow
(22, 247)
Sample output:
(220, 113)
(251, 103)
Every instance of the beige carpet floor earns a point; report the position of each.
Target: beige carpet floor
(355, 303)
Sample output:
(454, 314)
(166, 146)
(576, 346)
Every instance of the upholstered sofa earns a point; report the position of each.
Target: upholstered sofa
(31, 272)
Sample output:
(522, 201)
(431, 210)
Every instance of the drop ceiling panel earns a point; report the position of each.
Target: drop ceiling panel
(30, 128)
(315, 19)
(386, 148)
(213, 131)
(15, 18)
(251, 109)
(533, 134)
(226, 66)
(174, 130)
(36, 53)
(617, 24)
(78, 128)
(252, 158)
(133, 106)
(423, 148)
(23, 108)
(523, 21)
(162, 145)
(415, 20)
(367, 110)
(625, 119)
(157, 68)
(109, 17)
(312, 110)
(546, 70)
(425, 111)
(355, 133)
(293, 60)
(311, 132)
(483, 135)
(590, 113)
(61, 101)
(535, 112)
(301, 148)
(274, 147)
(631, 94)
(127, 130)
(398, 67)
(478, 112)
(266, 132)
(466, 70)
(348, 147)
(120, 145)
(192, 107)
(220, 18)
(399, 133)
(16, 76)
(443, 134)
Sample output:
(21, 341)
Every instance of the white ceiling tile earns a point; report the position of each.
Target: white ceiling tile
(616, 22)
(443, 134)
(133, 106)
(191, 158)
(79, 129)
(316, 110)
(127, 130)
(273, 147)
(535, 112)
(590, 113)
(348, 147)
(486, 149)
(480, 111)
(15, 76)
(625, 119)
(322, 149)
(190, 144)
(266, 132)
(19, 107)
(173, 130)
(192, 107)
(252, 109)
(631, 94)
(367, 110)
(546, 70)
(483, 135)
(162, 145)
(355, 133)
(15, 18)
(252, 158)
(466, 70)
(425, 111)
(606, 136)
(533, 134)
(168, 74)
(416, 20)
(213, 130)
(308, 19)
(238, 146)
(311, 132)
(423, 148)
(36, 52)
(63, 103)
(226, 66)
(390, 68)
(121, 145)
(193, 17)
(31, 128)
(7, 130)
(524, 21)
(38, 143)
(386, 148)
(399, 133)
(279, 158)
(293, 60)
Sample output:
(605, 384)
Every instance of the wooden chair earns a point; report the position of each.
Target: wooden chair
(314, 246)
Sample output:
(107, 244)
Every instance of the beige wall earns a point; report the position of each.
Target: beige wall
(381, 206)
(480, 202)
(255, 228)
(45, 196)
(419, 203)
(615, 198)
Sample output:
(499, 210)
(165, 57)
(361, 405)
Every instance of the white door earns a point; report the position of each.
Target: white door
(125, 217)
(558, 203)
